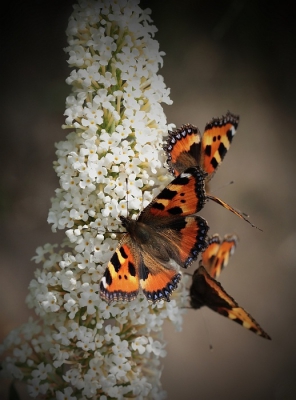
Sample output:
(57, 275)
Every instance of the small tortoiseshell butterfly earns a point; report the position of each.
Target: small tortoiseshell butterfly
(164, 237)
(217, 254)
(186, 147)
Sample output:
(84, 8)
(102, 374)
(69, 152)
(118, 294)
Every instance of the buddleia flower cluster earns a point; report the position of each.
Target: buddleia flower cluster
(111, 163)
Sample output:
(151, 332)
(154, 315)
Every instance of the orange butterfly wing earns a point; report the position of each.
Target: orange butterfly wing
(169, 214)
(186, 149)
(120, 281)
(216, 141)
(185, 195)
(183, 148)
(217, 254)
(206, 291)
(157, 281)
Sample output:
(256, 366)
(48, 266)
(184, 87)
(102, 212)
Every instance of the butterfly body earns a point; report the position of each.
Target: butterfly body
(164, 237)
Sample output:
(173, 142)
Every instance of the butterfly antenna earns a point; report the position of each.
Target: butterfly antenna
(211, 347)
(126, 182)
(223, 186)
(236, 212)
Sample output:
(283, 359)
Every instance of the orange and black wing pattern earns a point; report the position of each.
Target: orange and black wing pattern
(216, 141)
(217, 254)
(185, 195)
(121, 281)
(165, 237)
(184, 238)
(127, 272)
(183, 148)
(206, 291)
(157, 281)
(186, 147)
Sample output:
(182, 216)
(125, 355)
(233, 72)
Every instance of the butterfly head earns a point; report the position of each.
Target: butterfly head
(124, 220)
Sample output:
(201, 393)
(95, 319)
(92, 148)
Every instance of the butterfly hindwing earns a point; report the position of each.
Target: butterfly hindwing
(156, 281)
(188, 237)
(217, 254)
(183, 148)
(206, 291)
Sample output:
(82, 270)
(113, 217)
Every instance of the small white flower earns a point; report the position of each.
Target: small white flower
(65, 394)
(139, 344)
(48, 302)
(36, 388)
(23, 352)
(156, 347)
(42, 371)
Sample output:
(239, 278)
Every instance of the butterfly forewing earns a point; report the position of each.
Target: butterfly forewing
(217, 254)
(185, 195)
(216, 141)
(121, 278)
(206, 291)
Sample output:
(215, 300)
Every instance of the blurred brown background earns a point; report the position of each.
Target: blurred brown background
(227, 55)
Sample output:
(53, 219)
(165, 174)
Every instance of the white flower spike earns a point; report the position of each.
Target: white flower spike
(81, 347)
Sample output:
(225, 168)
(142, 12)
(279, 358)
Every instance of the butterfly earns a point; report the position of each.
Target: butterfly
(217, 254)
(164, 237)
(206, 291)
(186, 147)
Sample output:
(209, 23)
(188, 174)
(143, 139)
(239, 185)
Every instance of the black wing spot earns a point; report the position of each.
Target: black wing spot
(115, 262)
(108, 277)
(222, 150)
(123, 253)
(208, 150)
(175, 210)
(131, 269)
(214, 162)
(158, 206)
(168, 194)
